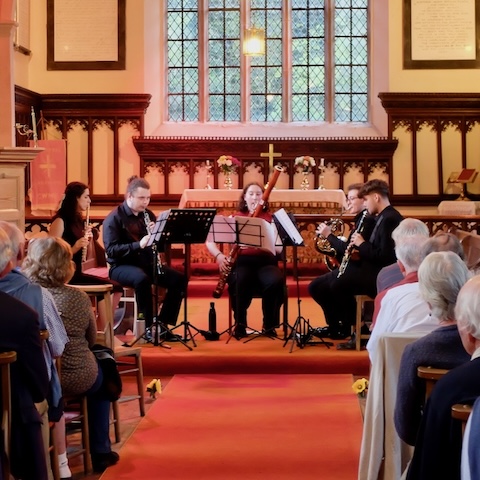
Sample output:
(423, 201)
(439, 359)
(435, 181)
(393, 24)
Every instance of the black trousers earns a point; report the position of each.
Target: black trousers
(174, 281)
(257, 275)
(336, 296)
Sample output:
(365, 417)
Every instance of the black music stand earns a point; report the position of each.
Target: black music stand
(185, 226)
(301, 332)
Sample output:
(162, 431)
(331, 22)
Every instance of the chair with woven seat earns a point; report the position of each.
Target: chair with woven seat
(6, 358)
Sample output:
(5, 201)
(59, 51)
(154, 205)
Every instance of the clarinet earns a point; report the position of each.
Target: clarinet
(156, 256)
(232, 258)
(349, 250)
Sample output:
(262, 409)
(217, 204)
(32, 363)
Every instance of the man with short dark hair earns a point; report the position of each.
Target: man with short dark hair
(367, 253)
(126, 233)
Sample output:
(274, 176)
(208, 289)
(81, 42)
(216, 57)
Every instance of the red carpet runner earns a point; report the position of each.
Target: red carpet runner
(228, 427)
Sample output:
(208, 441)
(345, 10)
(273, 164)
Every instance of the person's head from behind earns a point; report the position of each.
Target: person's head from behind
(440, 278)
(251, 195)
(375, 194)
(17, 240)
(49, 262)
(443, 242)
(355, 204)
(137, 194)
(467, 314)
(76, 199)
(408, 251)
(410, 227)
(6, 253)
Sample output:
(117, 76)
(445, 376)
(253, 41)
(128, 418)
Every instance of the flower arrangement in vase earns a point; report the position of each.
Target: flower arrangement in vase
(305, 164)
(227, 165)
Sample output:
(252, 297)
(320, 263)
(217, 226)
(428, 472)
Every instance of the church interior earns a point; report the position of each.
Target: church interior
(163, 90)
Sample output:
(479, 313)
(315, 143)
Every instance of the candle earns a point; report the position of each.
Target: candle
(208, 163)
(322, 162)
(34, 128)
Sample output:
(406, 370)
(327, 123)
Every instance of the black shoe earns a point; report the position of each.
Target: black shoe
(239, 332)
(269, 332)
(351, 344)
(339, 334)
(321, 332)
(101, 461)
(167, 336)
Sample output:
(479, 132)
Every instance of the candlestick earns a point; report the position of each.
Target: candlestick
(34, 128)
(209, 170)
(322, 162)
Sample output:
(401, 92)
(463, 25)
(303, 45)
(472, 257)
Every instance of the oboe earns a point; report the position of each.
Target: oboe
(156, 256)
(349, 250)
(85, 248)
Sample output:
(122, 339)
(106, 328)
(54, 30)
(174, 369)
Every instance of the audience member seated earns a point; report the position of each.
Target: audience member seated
(471, 445)
(441, 276)
(255, 270)
(393, 275)
(439, 442)
(40, 299)
(402, 308)
(49, 263)
(29, 377)
(439, 242)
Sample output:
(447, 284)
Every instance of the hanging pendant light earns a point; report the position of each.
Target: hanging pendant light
(254, 42)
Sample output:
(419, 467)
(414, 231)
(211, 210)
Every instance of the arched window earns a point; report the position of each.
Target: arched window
(315, 68)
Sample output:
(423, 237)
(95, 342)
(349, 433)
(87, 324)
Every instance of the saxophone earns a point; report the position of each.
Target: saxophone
(349, 250)
(232, 257)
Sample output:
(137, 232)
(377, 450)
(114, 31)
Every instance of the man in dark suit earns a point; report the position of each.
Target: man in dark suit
(29, 377)
(369, 252)
(439, 442)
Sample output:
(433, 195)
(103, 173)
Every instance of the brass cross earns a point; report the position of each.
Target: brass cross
(270, 154)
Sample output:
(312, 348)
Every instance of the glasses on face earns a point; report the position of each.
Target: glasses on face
(351, 199)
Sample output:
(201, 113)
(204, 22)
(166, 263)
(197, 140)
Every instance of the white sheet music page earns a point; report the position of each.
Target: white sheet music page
(289, 227)
(256, 232)
(222, 230)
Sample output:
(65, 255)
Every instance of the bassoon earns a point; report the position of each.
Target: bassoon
(232, 257)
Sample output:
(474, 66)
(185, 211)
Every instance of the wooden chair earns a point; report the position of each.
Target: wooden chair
(461, 412)
(76, 413)
(431, 376)
(106, 337)
(50, 447)
(359, 336)
(6, 358)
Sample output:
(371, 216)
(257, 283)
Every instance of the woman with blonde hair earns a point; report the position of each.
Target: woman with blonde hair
(49, 263)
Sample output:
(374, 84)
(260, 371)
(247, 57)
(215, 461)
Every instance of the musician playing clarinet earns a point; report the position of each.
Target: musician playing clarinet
(132, 263)
(370, 247)
(255, 271)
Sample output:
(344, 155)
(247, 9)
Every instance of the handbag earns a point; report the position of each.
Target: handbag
(112, 383)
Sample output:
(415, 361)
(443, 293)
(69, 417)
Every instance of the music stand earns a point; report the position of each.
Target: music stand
(185, 226)
(301, 332)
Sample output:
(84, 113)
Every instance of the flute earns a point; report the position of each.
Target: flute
(85, 248)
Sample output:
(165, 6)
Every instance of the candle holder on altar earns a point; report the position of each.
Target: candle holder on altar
(208, 167)
(321, 170)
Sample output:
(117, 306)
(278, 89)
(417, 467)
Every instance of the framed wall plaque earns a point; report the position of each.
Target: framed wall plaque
(86, 34)
(441, 34)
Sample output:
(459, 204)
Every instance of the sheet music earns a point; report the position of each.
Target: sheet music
(223, 230)
(289, 227)
(256, 232)
(158, 228)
